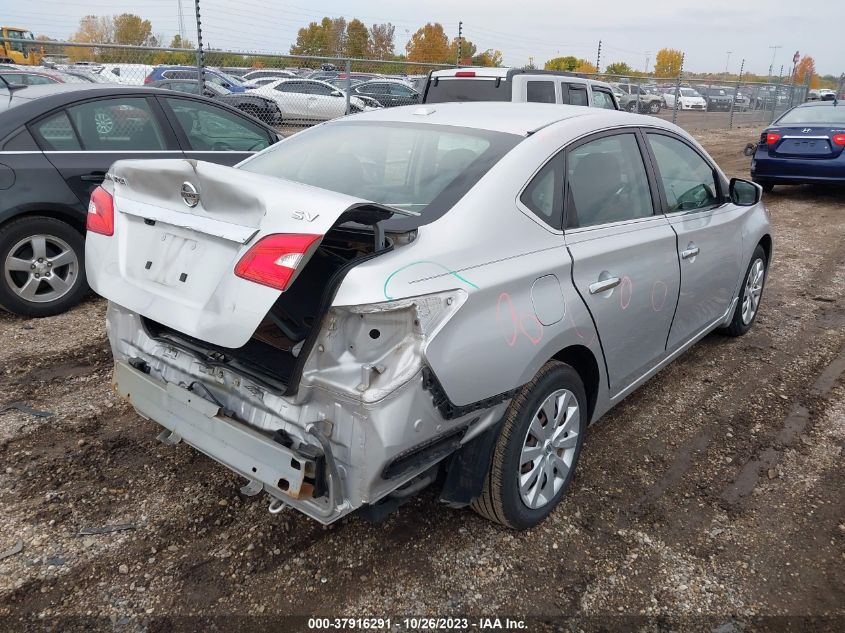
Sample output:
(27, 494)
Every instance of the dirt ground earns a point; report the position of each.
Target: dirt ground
(712, 499)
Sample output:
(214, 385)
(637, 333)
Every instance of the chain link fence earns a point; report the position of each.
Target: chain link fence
(292, 91)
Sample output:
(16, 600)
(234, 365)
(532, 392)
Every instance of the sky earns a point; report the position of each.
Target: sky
(632, 32)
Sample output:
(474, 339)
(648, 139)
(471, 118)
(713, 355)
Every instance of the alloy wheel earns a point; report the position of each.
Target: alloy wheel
(41, 268)
(549, 449)
(753, 290)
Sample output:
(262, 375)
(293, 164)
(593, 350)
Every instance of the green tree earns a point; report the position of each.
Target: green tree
(618, 68)
(312, 40)
(490, 57)
(358, 43)
(429, 44)
(131, 29)
(668, 62)
(568, 63)
(381, 36)
(467, 51)
(178, 42)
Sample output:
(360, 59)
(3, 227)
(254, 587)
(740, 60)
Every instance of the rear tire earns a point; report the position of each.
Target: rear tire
(632, 107)
(52, 249)
(768, 187)
(750, 294)
(537, 449)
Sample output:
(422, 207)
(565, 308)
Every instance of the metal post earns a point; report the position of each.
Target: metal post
(200, 53)
(775, 95)
(840, 89)
(639, 92)
(736, 94)
(460, 43)
(348, 83)
(678, 91)
(598, 59)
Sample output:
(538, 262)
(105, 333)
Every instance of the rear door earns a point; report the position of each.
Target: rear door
(625, 262)
(83, 140)
(209, 132)
(709, 233)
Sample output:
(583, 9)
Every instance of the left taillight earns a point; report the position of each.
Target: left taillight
(273, 260)
(101, 212)
(839, 139)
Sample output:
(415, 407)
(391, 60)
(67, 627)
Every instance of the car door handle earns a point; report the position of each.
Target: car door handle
(94, 176)
(692, 251)
(604, 285)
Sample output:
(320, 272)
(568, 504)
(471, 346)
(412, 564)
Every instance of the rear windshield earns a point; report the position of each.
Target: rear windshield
(442, 90)
(418, 167)
(814, 114)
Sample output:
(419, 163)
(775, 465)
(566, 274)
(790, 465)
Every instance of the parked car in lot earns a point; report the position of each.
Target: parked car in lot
(804, 146)
(307, 101)
(82, 75)
(718, 99)
(224, 80)
(31, 77)
(407, 296)
(57, 143)
(126, 74)
(268, 73)
(638, 98)
(688, 99)
(770, 96)
(822, 94)
(262, 108)
(517, 85)
(742, 101)
(387, 92)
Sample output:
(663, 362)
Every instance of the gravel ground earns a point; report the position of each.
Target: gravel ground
(711, 499)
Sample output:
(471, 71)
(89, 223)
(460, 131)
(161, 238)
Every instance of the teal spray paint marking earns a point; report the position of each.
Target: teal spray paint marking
(399, 270)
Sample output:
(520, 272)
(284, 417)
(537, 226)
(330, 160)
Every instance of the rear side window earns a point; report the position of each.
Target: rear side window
(602, 99)
(209, 128)
(56, 133)
(441, 90)
(578, 95)
(688, 180)
(540, 91)
(118, 124)
(543, 195)
(21, 142)
(606, 182)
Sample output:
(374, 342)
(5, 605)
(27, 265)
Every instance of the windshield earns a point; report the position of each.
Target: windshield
(689, 92)
(828, 115)
(416, 167)
(231, 79)
(441, 90)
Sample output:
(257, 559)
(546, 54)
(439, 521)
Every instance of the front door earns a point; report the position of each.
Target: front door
(709, 233)
(83, 140)
(625, 263)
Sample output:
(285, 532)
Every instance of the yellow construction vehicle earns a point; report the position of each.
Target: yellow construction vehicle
(16, 49)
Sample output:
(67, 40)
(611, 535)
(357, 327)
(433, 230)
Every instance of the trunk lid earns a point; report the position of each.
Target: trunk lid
(181, 226)
(805, 142)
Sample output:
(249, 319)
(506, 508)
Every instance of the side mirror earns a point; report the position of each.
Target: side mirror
(337, 93)
(745, 193)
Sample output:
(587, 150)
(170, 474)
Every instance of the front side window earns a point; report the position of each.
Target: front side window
(117, 124)
(602, 99)
(606, 182)
(540, 91)
(424, 168)
(56, 133)
(688, 180)
(210, 128)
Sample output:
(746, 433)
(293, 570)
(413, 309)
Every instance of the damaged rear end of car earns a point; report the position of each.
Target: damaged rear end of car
(221, 320)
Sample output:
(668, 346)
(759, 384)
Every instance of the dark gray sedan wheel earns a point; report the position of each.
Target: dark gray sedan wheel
(43, 266)
(537, 449)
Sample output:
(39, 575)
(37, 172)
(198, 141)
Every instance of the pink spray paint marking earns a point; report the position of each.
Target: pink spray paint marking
(626, 289)
(658, 295)
(511, 323)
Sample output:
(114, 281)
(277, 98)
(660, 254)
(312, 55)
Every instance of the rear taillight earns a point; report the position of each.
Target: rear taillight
(101, 212)
(465, 73)
(148, 79)
(273, 260)
(839, 139)
(772, 138)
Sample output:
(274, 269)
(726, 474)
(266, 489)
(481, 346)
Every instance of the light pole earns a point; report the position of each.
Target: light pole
(647, 60)
(774, 52)
(727, 62)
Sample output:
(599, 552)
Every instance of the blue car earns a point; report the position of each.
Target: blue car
(160, 73)
(804, 146)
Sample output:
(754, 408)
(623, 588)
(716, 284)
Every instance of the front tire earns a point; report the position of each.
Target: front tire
(750, 294)
(654, 107)
(537, 449)
(43, 266)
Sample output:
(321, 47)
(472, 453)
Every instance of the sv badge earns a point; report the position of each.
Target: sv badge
(304, 215)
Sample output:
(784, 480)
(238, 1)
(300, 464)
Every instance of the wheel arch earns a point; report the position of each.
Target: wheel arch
(71, 217)
(584, 362)
(766, 243)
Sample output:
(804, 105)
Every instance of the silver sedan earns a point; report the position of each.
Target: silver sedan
(448, 293)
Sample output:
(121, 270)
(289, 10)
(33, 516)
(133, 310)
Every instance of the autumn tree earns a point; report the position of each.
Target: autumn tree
(429, 44)
(131, 29)
(178, 42)
(668, 62)
(312, 40)
(381, 38)
(806, 70)
(468, 50)
(490, 57)
(618, 68)
(358, 43)
(567, 63)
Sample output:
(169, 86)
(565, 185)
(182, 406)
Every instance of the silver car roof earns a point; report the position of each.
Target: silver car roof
(512, 118)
